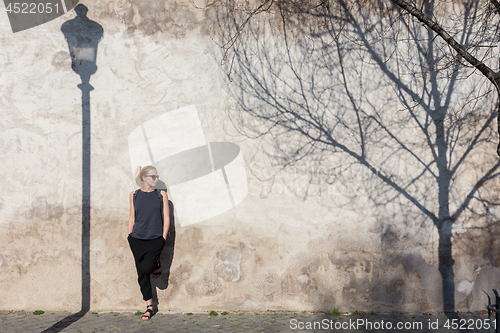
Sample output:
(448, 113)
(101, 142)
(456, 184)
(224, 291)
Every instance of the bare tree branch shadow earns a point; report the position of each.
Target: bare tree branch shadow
(320, 85)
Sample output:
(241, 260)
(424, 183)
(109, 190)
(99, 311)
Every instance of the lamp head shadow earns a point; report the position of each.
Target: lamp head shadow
(82, 35)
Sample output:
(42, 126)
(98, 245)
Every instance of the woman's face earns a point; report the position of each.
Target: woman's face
(151, 178)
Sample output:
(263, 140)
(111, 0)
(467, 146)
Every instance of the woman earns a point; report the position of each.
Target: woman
(147, 231)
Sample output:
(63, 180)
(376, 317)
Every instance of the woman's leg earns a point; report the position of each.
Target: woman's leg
(152, 256)
(139, 249)
(149, 311)
(146, 254)
(148, 265)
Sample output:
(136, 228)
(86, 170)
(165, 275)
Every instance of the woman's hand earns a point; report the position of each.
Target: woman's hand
(131, 216)
(166, 214)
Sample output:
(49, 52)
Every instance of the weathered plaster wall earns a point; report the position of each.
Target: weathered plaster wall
(275, 250)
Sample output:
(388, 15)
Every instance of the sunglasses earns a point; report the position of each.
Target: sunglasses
(153, 177)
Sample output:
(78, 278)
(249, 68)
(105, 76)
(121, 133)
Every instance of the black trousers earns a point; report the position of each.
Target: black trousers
(146, 254)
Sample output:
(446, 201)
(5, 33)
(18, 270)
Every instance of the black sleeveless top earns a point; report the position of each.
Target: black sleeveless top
(148, 222)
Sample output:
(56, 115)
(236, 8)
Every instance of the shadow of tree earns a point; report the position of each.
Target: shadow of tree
(337, 85)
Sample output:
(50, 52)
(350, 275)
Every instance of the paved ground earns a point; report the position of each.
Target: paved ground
(15, 321)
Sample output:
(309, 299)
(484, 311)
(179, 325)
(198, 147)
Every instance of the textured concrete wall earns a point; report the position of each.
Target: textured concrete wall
(274, 250)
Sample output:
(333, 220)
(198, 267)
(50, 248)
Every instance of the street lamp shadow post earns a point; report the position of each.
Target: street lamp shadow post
(83, 36)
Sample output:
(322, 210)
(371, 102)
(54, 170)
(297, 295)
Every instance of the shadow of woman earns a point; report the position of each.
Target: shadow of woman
(167, 256)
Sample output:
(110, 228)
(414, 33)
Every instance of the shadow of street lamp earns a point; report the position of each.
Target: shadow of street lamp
(83, 35)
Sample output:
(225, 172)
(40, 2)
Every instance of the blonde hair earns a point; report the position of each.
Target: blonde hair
(141, 172)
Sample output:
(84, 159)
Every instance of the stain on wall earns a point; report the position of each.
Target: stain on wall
(152, 17)
(229, 266)
(42, 210)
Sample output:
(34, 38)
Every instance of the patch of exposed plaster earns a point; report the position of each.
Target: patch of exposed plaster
(465, 287)
(290, 285)
(268, 288)
(206, 286)
(249, 304)
(229, 266)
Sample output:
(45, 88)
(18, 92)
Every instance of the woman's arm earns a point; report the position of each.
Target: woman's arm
(166, 214)
(131, 217)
